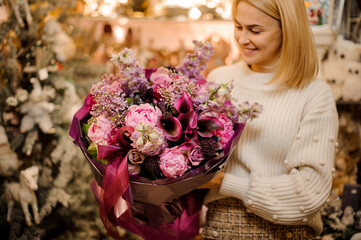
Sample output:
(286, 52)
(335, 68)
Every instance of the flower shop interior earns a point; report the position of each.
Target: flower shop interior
(52, 52)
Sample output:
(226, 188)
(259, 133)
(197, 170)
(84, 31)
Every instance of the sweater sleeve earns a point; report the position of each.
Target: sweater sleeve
(297, 195)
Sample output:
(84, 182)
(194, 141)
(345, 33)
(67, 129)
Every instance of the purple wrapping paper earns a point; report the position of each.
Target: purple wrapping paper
(163, 208)
(183, 227)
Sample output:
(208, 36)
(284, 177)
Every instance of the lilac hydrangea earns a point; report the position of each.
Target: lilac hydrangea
(170, 93)
(219, 100)
(125, 57)
(109, 103)
(248, 111)
(193, 64)
(132, 72)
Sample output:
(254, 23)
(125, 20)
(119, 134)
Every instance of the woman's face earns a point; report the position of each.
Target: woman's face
(259, 37)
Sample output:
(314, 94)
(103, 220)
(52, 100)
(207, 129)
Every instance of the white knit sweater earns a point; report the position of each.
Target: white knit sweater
(282, 167)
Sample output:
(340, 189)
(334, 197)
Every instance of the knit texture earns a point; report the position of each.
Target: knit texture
(282, 167)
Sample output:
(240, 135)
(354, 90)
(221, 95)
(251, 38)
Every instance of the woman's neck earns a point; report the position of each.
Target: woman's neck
(263, 69)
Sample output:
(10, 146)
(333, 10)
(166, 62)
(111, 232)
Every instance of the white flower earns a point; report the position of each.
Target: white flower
(139, 142)
(222, 91)
(127, 57)
(153, 137)
(148, 140)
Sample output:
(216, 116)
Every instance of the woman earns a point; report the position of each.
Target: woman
(280, 174)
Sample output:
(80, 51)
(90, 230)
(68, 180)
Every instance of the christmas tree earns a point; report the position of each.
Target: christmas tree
(44, 178)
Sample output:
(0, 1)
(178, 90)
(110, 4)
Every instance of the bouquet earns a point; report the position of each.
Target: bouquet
(151, 137)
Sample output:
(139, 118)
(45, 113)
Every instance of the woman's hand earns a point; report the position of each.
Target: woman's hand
(215, 182)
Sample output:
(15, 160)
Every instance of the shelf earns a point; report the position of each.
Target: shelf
(348, 103)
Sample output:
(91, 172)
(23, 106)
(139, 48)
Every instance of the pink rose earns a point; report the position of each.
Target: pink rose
(100, 130)
(172, 163)
(144, 113)
(227, 131)
(195, 156)
(161, 77)
(135, 157)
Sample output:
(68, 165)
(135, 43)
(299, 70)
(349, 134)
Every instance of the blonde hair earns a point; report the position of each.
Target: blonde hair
(298, 64)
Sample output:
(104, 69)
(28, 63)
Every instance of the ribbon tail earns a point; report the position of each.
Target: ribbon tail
(114, 194)
(116, 181)
(108, 224)
(111, 228)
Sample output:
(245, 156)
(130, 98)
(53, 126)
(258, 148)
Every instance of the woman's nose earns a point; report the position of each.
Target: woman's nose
(243, 38)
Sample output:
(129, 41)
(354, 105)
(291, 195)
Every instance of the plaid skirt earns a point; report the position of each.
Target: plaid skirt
(228, 219)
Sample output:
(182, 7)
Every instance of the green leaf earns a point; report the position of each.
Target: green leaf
(93, 152)
(129, 100)
(85, 128)
(102, 161)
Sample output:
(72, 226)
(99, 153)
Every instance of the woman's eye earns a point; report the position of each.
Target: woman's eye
(255, 31)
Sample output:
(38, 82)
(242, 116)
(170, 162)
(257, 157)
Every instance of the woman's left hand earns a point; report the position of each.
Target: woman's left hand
(215, 182)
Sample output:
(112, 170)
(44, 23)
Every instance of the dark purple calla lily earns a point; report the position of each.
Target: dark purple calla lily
(171, 127)
(184, 104)
(207, 125)
(191, 136)
(187, 116)
(188, 121)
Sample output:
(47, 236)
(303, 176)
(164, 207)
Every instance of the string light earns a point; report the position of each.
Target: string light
(109, 8)
(194, 13)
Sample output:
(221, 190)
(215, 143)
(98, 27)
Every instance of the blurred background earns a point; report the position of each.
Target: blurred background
(51, 52)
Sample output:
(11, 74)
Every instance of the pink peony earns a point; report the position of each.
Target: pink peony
(161, 77)
(144, 113)
(227, 131)
(172, 163)
(100, 130)
(195, 156)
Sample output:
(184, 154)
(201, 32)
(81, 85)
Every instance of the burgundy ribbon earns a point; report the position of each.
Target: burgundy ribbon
(115, 185)
(115, 180)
